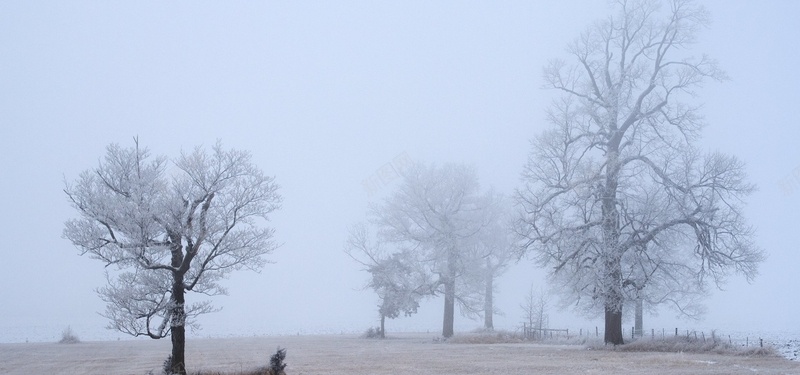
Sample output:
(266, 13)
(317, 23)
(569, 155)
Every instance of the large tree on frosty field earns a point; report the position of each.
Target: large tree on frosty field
(616, 199)
(165, 228)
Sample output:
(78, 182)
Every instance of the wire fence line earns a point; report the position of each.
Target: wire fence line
(534, 333)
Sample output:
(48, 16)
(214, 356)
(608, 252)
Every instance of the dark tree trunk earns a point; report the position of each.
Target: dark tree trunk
(177, 321)
(383, 327)
(178, 326)
(488, 304)
(613, 334)
(449, 307)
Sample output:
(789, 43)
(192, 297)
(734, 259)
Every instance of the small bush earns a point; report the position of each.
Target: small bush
(372, 333)
(167, 365)
(69, 337)
(276, 364)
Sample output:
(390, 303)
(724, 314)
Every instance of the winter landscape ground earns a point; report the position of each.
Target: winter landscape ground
(349, 354)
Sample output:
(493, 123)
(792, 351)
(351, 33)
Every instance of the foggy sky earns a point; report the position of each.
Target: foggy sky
(325, 95)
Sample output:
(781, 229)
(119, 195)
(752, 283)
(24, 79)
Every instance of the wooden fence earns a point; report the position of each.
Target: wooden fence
(531, 333)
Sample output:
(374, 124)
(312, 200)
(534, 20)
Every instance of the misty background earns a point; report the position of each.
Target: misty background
(326, 96)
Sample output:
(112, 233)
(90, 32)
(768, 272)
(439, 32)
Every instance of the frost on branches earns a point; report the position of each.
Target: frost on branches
(617, 201)
(443, 219)
(395, 275)
(166, 227)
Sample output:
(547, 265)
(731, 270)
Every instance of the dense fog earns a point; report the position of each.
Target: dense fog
(333, 99)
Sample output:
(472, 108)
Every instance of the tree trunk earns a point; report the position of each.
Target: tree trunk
(177, 321)
(488, 304)
(613, 301)
(383, 327)
(449, 307)
(613, 334)
(178, 326)
(612, 254)
(639, 320)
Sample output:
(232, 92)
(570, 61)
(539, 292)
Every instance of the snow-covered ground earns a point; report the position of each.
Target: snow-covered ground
(340, 354)
(786, 343)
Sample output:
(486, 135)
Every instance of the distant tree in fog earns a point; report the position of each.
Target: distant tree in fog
(494, 244)
(439, 213)
(617, 200)
(396, 276)
(164, 228)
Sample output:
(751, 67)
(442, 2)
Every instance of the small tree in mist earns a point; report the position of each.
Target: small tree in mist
(395, 276)
(164, 228)
(68, 336)
(534, 309)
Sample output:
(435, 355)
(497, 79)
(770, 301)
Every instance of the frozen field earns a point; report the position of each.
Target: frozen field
(347, 354)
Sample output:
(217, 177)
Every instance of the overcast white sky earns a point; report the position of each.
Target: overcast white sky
(324, 94)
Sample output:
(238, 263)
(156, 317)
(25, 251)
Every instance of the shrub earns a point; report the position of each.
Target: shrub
(372, 333)
(276, 364)
(68, 337)
(167, 366)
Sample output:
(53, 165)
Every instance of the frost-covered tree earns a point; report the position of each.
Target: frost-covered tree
(494, 244)
(164, 228)
(439, 212)
(616, 197)
(396, 276)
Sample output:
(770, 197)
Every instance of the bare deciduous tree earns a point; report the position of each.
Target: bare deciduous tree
(534, 309)
(166, 231)
(439, 212)
(616, 196)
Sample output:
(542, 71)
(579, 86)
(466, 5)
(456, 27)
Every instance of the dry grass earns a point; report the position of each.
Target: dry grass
(508, 337)
(677, 344)
(487, 337)
(684, 344)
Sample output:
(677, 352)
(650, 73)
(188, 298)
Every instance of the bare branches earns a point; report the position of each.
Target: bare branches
(453, 230)
(168, 232)
(616, 200)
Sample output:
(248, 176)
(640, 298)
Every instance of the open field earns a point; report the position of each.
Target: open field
(347, 354)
